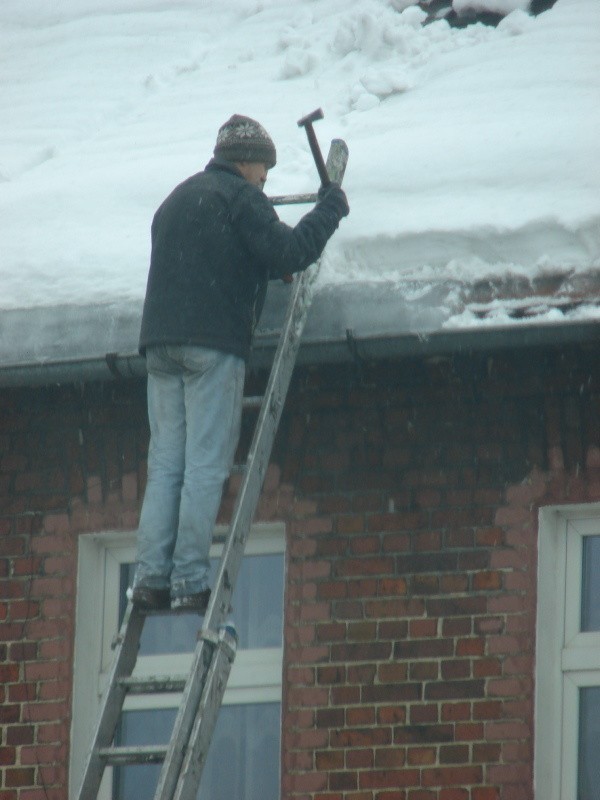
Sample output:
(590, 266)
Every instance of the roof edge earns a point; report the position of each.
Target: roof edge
(124, 366)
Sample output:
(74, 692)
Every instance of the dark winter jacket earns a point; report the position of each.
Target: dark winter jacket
(216, 241)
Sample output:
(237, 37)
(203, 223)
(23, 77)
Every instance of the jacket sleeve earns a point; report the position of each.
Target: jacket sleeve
(279, 247)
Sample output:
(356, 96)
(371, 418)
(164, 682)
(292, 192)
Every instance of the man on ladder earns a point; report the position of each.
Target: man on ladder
(216, 242)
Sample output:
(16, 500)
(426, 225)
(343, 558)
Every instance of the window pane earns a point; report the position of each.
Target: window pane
(590, 592)
(243, 762)
(589, 744)
(257, 609)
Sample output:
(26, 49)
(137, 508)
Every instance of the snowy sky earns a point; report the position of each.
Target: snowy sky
(474, 152)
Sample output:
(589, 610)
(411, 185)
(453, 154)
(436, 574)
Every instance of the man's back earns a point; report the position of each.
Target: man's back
(203, 281)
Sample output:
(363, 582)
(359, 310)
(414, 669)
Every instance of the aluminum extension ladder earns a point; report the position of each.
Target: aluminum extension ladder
(184, 757)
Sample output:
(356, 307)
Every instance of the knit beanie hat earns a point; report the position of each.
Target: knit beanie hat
(245, 139)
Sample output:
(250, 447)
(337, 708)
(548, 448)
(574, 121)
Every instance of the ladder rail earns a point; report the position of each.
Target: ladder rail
(126, 650)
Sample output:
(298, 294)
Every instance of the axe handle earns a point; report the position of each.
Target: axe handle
(317, 155)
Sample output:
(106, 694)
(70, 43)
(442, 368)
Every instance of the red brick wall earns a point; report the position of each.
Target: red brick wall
(410, 492)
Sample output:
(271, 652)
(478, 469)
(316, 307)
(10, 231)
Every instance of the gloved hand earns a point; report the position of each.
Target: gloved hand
(335, 197)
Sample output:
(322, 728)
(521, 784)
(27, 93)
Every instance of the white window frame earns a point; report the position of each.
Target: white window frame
(566, 658)
(256, 675)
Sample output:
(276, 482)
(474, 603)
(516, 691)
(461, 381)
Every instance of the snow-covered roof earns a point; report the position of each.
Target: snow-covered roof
(473, 180)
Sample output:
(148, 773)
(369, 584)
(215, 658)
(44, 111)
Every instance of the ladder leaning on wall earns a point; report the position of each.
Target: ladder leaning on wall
(184, 757)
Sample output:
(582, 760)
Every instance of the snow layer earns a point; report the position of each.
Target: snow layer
(474, 153)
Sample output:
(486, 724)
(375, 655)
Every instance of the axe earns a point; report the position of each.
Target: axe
(307, 123)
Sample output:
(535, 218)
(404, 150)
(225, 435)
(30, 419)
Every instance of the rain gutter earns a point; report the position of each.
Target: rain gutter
(351, 348)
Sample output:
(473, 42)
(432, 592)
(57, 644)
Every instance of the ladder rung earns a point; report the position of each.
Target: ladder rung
(252, 402)
(153, 684)
(142, 754)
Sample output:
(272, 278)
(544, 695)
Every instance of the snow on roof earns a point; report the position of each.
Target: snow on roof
(474, 153)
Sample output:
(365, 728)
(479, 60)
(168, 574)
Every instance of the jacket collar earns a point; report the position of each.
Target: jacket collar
(218, 163)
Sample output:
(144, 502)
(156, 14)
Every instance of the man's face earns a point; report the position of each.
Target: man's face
(254, 171)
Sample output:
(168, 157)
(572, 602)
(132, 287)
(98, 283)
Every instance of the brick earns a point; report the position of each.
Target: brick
(345, 695)
(23, 651)
(345, 781)
(503, 645)
(307, 782)
(19, 776)
(470, 647)
(389, 757)
(424, 670)
(509, 773)
(362, 631)
(365, 566)
(329, 760)
(451, 712)
(361, 737)
(454, 754)
(396, 629)
(391, 715)
(487, 710)
(423, 648)
(376, 651)
(423, 734)
(363, 674)
(455, 690)
(447, 776)
(496, 731)
(330, 717)
(45, 712)
(362, 715)
(485, 793)
(405, 692)
(365, 545)
(454, 584)
(9, 673)
(22, 692)
(19, 734)
(457, 606)
(456, 668)
(8, 756)
(359, 758)
(10, 713)
(331, 675)
(395, 672)
(457, 626)
(391, 587)
(424, 713)
(486, 753)
(466, 732)
(487, 667)
(418, 756)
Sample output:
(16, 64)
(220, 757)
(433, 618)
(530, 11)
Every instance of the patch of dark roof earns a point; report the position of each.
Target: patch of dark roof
(442, 9)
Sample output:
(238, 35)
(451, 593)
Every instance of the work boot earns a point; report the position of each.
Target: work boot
(197, 602)
(150, 599)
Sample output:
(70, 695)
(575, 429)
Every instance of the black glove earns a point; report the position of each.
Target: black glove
(334, 197)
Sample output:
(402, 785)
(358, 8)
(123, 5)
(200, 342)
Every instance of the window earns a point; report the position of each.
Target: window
(567, 766)
(248, 729)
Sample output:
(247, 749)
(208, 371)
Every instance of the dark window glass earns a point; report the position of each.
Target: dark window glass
(257, 609)
(242, 764)
(588, 776)
(590, 586)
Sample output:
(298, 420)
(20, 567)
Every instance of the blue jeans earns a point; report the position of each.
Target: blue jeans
(194, 409)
